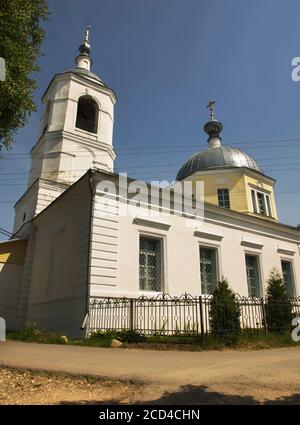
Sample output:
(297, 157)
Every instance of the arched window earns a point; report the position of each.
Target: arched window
(87, 114)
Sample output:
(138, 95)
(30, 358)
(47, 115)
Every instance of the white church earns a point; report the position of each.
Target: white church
(69, 249)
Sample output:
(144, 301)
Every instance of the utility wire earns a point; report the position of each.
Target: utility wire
(257, 159)
(170, 165)
(228, 142)
(140, 167)
(199, 145)
(4, 232)
(7, 233)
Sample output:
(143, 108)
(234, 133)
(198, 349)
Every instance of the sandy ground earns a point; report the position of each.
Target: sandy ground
(38, 387)
(126, 376)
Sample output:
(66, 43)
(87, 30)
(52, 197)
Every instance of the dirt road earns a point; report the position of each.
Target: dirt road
(211, 377)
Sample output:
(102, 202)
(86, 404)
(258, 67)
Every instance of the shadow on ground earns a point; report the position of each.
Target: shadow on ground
(198, 395)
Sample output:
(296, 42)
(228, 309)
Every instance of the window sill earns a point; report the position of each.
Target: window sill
(87, 133)
(270, 217)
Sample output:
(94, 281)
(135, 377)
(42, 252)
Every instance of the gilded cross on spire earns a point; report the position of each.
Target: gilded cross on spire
(87, 35)
(210, 106)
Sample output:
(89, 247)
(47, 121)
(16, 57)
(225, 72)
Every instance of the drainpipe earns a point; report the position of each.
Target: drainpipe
(87, 304)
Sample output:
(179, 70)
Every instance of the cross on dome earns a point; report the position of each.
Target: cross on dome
(210, 106)
(87, 34)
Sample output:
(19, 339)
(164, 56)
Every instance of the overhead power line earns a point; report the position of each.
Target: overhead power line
(249, 143)
(7, 233)
(240, 141)
(158, 152)
(124, 169)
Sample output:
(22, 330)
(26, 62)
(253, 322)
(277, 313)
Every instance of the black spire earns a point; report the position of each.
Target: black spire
(213, 127)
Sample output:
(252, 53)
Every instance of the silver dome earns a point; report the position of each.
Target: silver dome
(85, 73)
(217, 157)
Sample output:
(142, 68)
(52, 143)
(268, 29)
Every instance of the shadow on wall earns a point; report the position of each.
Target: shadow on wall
(12, 256)
(199, 395)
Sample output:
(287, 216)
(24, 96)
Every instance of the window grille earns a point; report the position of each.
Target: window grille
(287, 274)
(208, 270)
(223, 198)
(150, 264)
(261, 203)
(269, 205)
(254, 201)
(253, 278)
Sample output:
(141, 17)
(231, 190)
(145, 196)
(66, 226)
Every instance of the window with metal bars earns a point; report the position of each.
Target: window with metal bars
(288, 278)
(150, 264)
(268, 205)
(208, 270)
(253, 196)
(261, 203)
(223, 198)
(253, 275)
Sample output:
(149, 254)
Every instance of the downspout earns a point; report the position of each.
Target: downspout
(87, 303)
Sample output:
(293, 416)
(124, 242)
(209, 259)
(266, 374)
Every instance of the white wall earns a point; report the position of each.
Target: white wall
(104, 250)
(58, 290)
(238, 234)
(63, 275)
(37, 197)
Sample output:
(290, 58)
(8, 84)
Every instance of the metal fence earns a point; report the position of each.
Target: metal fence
(184, 315)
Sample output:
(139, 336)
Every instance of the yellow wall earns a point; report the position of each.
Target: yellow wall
(13, 252)
(239, 185)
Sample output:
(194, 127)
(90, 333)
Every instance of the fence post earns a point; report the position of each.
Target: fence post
(264, 315)
(201, 319)
(131, 312)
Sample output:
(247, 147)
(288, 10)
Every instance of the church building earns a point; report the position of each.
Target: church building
(72, 246)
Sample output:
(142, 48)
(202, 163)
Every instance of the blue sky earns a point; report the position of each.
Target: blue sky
(165, 59)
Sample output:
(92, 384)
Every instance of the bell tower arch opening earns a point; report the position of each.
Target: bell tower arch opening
(87, 114)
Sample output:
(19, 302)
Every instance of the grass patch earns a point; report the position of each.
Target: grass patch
(97, 339)
(253, 341)
(32, 334)
(262, 340)
(104, 339)
(162, 339)
(123, 336)
(91, 342)
(246, 340)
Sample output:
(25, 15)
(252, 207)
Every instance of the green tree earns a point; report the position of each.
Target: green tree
(278, 305)
(225, 313)
(21, 35)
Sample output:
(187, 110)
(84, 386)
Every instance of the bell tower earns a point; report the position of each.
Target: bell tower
(76, 134)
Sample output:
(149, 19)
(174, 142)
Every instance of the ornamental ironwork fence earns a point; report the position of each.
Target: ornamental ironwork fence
(186, 314)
